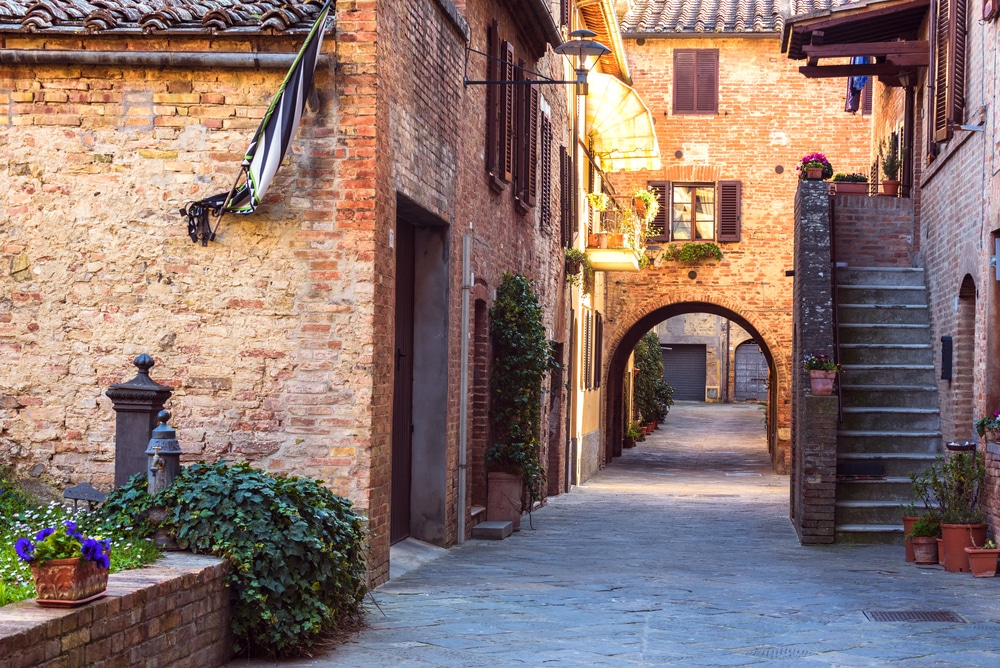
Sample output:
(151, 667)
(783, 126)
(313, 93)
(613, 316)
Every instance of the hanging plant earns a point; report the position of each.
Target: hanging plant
(576, 261)
(522, 355)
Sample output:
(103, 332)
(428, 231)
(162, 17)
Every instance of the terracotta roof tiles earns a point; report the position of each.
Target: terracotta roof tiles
(717, 16)
(154, 16)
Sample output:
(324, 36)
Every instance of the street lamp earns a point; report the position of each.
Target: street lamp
(586, 51)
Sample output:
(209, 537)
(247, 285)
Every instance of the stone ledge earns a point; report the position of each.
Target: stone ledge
(175, 612)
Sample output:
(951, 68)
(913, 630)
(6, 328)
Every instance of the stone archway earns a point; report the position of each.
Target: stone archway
(629, 326)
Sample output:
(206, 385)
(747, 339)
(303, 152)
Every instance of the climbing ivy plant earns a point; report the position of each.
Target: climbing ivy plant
(521, 358)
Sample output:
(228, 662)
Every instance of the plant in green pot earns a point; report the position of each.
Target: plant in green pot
(522, 356)
(924, 536)
(950, 488)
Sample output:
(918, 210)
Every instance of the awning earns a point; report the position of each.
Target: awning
(620, 126)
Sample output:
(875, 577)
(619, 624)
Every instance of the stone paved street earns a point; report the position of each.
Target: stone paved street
(679, 554)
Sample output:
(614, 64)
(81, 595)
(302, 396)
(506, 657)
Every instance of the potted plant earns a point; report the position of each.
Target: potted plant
(988, 427)
(632, 435)
(924, 536)
(850, 184)
(67, 568)
(646, 203)
(888, 156)
(693, 252)
(983, 560)
(522, 355)
(950, 489)
(575, 262)
(822, 372)
(814, 167)
(909, 515)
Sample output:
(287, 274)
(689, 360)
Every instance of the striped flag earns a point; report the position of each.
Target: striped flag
(270, 142)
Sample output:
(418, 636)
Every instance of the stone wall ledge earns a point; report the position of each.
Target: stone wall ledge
(172, 613)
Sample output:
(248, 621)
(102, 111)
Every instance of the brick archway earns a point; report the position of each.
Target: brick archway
(632, 323)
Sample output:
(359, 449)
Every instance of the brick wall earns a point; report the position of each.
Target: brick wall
(769, 117)
(173, 613)
(815, 421)
(874, 231)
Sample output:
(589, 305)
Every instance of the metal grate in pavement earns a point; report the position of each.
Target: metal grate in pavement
(913, 616)
(777, 652)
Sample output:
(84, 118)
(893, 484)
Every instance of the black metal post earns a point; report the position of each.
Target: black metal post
(136, 403)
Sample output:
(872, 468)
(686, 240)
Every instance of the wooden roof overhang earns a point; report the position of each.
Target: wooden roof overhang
(888, 31)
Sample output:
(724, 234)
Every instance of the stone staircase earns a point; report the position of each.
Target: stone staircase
(890, 422)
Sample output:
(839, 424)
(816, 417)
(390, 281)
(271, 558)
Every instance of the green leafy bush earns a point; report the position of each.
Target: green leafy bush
(653, 396)
(693, 251)
(295, 547)
(950, 487)
(521, 358)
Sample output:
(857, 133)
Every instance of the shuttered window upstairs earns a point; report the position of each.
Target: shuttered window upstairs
(545, 187)
(950, 37)
(697, 211)
(696, 81)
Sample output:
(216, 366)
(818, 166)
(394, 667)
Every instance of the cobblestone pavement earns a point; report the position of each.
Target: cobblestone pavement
(679, 554)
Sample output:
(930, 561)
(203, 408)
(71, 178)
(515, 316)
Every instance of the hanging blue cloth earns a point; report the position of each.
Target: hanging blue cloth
(855, 85)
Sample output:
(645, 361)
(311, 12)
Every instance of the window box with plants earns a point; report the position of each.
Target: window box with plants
(622, 243)
(850, 184)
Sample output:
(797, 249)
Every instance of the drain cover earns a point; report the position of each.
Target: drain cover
(777, 652)
(913, 616)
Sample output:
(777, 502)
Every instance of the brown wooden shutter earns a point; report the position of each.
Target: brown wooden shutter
(866, 98)
(531, 99)
(956, 86)
(564, 12)
(565, 197)
(492, 99)
(659, 231)
(949, 66)
(598, 346)
(545, 194)
(684, 81)
(730, 216)
(507, 115)
(707, 81)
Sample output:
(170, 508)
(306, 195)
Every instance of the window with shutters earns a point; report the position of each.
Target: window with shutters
(499, 108)
(696, 81)
(598, 344)
(949, 51)
(697, 211)
(567, 194)
(525, 145)
(588, 349)
(545, 187)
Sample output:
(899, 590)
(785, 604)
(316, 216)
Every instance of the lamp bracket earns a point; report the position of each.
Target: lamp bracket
(541, 78)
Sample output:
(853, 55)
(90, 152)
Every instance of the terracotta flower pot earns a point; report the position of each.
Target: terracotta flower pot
(821, 382)
(616, 240)
(925, 550)
(954, 539)
(890, 188)
(503, 498)
(814, 173)
(983, 562)
(597, 240)
(908, 522)
(851, 187)
(68, 581)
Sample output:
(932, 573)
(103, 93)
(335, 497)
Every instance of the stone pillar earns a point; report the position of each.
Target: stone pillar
(814, 419)
(136, 403)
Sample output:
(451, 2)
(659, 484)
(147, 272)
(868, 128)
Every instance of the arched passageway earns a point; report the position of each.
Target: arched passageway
(629, 334)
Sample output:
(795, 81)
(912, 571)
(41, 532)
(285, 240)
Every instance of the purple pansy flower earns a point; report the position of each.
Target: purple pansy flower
(44, 533)
(24, 548)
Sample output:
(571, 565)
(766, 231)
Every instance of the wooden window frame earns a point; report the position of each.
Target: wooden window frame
(728, 226)
(696, 82)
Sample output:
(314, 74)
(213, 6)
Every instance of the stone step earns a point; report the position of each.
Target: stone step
(891, 314)
(881, 294)
(875, 333)
(920, 442)
(892, 464)
(917, 396)
(896, 489)
(886, 374)
(890, 418)
(886, 353)
(880, 276)
(886, 534)
(868, 513)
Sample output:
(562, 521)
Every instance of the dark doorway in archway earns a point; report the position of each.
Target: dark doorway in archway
(750, 373)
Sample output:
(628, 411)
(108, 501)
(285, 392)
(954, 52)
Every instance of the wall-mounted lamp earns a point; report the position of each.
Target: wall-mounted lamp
(585, 51)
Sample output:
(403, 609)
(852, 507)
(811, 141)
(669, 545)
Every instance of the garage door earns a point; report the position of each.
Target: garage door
(750, 383)
(684, 370)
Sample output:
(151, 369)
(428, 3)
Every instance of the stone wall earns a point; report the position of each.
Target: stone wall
(173, 613)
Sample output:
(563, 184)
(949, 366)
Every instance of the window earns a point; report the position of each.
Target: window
(499, 109)
(567, 197)
(949, 66)
(697, 211)
(696, 81)
(525, 165)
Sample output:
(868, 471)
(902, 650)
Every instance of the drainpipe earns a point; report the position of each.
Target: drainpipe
(463, 392)
(184, 59)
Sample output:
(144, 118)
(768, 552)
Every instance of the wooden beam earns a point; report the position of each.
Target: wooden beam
(843, 71)
(910, 59)
(867, 49)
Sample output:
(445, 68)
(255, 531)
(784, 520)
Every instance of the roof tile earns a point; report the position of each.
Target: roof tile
(716, 16)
